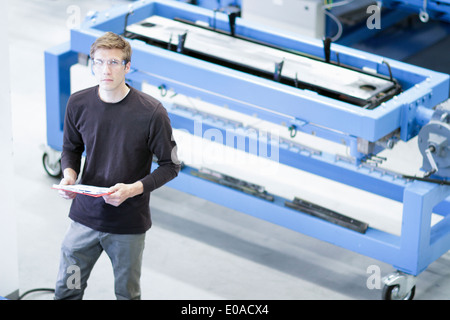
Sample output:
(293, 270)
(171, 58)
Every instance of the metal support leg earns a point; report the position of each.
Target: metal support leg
(58, 61)
(417, 250)
(421, 243)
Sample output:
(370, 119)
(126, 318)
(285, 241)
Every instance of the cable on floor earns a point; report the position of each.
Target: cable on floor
(35, 290)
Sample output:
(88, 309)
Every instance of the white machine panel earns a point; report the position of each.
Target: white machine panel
(304, 17)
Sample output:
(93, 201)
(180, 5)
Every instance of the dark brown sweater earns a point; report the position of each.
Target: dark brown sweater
(119, 141)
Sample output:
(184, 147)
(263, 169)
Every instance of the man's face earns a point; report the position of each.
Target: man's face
(109, 69)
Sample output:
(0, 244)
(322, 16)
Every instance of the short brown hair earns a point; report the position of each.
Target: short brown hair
(110, 40)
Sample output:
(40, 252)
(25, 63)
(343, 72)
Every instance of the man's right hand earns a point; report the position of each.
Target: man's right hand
(70, 178)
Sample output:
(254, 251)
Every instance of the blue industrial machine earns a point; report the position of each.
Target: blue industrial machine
(339, 94)
(427, 9)
(346, 20)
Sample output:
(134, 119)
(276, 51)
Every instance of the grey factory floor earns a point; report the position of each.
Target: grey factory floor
(195, 249)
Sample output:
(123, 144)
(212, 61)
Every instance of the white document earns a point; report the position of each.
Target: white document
(84, 189)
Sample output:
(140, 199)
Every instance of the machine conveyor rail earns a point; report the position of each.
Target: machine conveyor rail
(234, 183)
(290, 68)
(327, 214)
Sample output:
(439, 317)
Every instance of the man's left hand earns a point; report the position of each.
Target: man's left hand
(122, 191)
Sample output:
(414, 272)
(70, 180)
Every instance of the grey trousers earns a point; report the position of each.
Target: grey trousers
(81, 249)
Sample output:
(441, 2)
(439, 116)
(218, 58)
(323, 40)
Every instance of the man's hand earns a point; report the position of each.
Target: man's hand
(121, 192)
(70, 177)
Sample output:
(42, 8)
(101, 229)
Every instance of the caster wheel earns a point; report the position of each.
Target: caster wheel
(393, 293)
(52, 169)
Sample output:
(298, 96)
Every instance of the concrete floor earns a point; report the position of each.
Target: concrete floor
(195, 249)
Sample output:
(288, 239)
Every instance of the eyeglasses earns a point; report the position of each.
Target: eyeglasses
(98, 63)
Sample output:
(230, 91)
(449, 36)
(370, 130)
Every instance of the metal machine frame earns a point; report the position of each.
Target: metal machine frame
(434, 9)
(418, 245)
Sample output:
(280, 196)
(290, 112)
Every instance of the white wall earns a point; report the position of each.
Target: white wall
(9, 270)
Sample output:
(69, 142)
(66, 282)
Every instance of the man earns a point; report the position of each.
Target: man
(120, 129)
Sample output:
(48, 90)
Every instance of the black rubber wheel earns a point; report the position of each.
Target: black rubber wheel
(391, 293)
(53, 170)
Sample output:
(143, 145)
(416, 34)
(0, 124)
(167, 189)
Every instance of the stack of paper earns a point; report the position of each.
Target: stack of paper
(83, 189)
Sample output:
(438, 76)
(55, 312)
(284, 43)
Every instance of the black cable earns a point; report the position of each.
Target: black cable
(426, 179)
(293, 131)
(35, 290)
(389, 69)
(126, 23)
